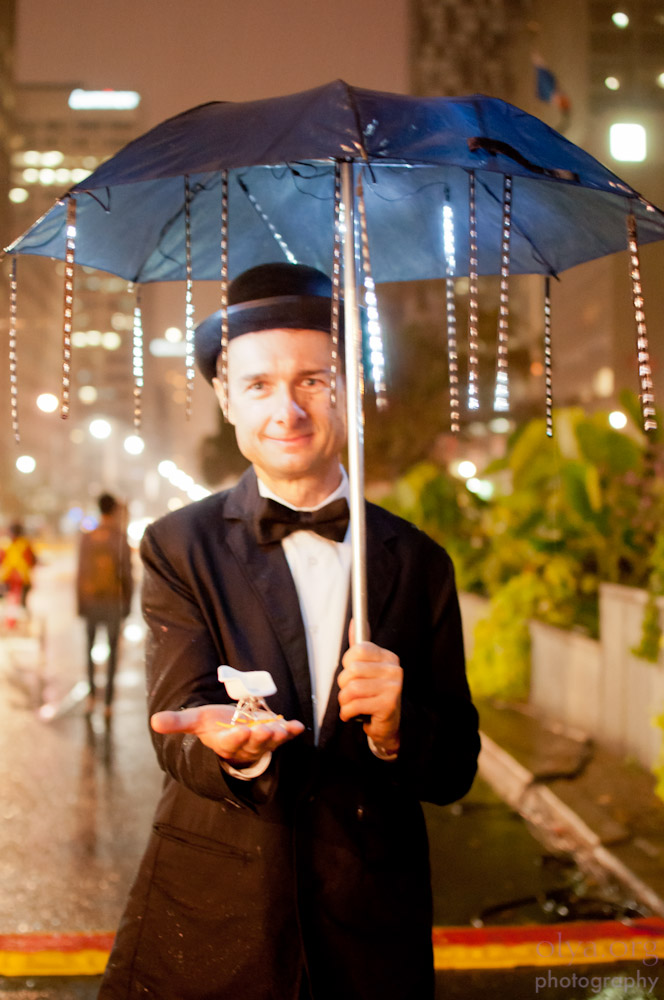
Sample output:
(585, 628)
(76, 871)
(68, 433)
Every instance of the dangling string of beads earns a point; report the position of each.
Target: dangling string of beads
(70, 253)
(376, 350)
(473, 295)
(452, 355)
(642, 349)
(189, 301)
(339, 226)
(137, 353)
(501, 399)
(223, 360)
(548, 380)
(13, 376)
(357, 254)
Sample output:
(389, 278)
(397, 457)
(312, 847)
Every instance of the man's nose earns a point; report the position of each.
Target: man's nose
(288, 409)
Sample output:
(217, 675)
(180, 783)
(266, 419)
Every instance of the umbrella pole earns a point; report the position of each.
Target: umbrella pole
(354, 412)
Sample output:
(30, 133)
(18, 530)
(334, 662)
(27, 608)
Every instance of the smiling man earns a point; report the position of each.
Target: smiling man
(289, 860)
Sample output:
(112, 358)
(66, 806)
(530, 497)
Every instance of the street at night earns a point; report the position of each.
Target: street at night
(81, 792)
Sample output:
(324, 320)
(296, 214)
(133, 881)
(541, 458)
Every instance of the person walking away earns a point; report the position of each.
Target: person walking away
(16, 565)
(104, 588)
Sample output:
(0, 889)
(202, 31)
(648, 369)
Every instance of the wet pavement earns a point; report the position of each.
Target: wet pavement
(78, 795)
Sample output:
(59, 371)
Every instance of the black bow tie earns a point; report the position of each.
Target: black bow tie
(274, 521)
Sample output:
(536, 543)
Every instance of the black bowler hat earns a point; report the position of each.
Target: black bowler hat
(268, 297)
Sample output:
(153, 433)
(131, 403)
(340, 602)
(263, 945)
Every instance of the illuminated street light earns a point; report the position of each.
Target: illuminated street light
(26, 464)
(480, 487)
(110, 340)
(107, 100)
(133, 632)
(100, 428)
(134, 444)
(617, 420)
(500, 425)
(466, 469)
(52, 158)
(166, 468)
(87, 394)
(627, 142)
(47, 402)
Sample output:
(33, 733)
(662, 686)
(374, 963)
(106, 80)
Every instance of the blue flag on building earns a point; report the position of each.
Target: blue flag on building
(548, 90)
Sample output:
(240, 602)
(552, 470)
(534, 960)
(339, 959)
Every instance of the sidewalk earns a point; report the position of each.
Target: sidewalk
(588, 800)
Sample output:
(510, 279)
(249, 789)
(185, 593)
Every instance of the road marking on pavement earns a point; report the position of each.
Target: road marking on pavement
(54, 954)
(454, 947)
(549, 944)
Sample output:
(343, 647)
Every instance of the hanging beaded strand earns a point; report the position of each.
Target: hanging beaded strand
(189, 303)
(452, 355)
(501, 399)
(137, 361)
(223, 360)
(376, 349)
(642, 349)
(548, 380)
(473, 335)
(336, 282)
(13, 375)
(357, 253)
(70, 253)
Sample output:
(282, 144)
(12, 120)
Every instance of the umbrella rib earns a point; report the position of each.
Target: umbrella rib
(167, 226)
(536, 250)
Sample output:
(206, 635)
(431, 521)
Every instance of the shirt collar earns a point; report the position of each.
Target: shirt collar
(342, 490)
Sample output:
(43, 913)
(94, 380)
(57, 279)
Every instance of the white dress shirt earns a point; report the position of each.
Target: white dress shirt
(320, 568)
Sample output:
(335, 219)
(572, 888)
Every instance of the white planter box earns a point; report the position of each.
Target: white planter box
(566, 673)
(633, 689)
(597, 686)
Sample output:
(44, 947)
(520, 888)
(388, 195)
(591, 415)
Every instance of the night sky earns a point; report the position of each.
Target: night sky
(179, 54)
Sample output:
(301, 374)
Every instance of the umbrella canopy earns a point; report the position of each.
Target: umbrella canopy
(280, 152)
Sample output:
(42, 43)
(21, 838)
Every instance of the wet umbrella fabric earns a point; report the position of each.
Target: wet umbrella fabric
(280, 153)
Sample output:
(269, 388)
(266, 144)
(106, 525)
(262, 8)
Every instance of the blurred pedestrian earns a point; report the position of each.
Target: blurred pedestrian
(104, 587)
(16, 563)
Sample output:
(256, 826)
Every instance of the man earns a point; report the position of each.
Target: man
(289, 859)
(104, 588)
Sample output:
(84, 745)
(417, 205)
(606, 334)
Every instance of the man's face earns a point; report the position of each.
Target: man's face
(279, 402)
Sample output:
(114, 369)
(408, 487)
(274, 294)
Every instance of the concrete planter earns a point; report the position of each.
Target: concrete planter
(597, 686)
(633, 689)
(566, 676)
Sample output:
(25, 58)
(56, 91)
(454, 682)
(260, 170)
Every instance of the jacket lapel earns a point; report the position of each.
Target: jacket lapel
(267, 572)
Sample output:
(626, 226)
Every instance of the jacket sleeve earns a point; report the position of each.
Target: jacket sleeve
(439, 725)
(181, 666)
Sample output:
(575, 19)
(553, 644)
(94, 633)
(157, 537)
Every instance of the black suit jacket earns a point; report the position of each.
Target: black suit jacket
(319, 868)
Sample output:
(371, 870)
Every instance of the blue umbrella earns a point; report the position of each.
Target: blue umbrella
(280, 152)
(450, 186)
